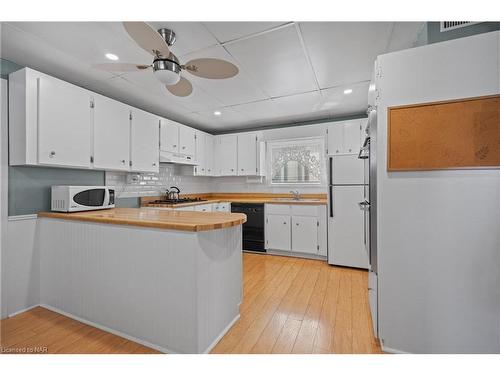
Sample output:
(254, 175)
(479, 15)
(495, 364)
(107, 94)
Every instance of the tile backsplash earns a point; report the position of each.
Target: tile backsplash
(129, 184)
(152, 184)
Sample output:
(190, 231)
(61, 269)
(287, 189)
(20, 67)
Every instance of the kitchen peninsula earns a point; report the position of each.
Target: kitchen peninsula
(168, 280)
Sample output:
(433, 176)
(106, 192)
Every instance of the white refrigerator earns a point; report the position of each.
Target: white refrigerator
(347, 205)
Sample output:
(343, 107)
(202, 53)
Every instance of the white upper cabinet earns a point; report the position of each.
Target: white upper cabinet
(344, 137)
(201, 154)
(111, 134)
(209, 155)
(169, 131)
(64, 123)
(177, 138)
(226, 152)
(247, 154)
(144, 133)
(187, 140)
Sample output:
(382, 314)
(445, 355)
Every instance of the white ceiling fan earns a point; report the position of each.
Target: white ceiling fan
(166, 66)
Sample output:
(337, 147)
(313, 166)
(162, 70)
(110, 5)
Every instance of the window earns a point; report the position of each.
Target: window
(298, 161)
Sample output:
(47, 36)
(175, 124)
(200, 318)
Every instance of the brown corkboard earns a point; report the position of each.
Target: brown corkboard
(458, 134)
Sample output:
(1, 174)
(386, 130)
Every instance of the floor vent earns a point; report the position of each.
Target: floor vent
(452, 25)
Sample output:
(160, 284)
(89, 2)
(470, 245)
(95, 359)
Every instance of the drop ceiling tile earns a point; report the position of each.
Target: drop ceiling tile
(261, 110)
(190, 36)
(299, 104)
(226, 31)
(235, 90)
(405, 35)
(339, 104)
(344, 52)
(276, 61)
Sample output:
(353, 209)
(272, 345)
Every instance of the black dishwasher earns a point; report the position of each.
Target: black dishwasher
(253, 229)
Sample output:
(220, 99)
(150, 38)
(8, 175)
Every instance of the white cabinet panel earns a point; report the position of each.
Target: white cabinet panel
(278, 232)
(305, 234)
(187, 140)
(144, 142)
(169, 136)
(227, 155)
(64, 124)
(201, 154)
(336, 138)
(111, 134)
(203, 207)
(209, 155)
(222, 207)
(346, 243)
(352, 136)
(247, 154)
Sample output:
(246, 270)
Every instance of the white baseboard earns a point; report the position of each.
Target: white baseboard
(21, 311)
(224, 331)
(391, 350)
(110, 330)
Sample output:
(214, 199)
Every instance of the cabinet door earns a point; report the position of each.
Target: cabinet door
(336, 138)
(169, 133)
(227, 155)
(111, 134)
(209, 155)
(201, 159)
(203, 208)
(247, 154)
(144, 142)
(346, 229)
(64, 119)
(278, 234)
(352, 135)
(305, 234)
(187, 140)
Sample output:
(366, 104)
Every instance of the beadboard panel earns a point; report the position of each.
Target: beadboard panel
(174, 291)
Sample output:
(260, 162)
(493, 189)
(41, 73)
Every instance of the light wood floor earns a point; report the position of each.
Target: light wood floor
(290, 305)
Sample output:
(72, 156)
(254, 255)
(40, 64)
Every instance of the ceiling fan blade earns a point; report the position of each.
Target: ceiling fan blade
(147, 38)
(121, 67)
(181, 88)
(211, 68)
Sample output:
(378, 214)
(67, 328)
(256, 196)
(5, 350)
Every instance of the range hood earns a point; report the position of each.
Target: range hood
(168, 157)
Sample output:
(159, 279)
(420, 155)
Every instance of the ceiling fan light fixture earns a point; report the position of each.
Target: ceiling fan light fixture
(167, 71)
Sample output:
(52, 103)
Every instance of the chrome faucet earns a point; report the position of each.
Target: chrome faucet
(296, 194)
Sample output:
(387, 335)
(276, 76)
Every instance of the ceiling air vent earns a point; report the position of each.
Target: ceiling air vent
(452, 25)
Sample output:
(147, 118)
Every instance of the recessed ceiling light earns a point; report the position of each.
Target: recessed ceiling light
(348, 91)
(111, 56)
(217, 113)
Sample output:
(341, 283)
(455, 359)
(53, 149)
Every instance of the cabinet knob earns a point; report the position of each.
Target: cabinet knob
(183, 147)
(52, 154)
(232, 169)
(154, 164)
(242, 169)
(350, 149)
(284, 223)
(297, 224)
(337, 151)
(123, 161)
(174, 146)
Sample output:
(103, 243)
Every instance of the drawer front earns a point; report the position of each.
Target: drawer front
(203, 208)
(278, 209)
(304, 210)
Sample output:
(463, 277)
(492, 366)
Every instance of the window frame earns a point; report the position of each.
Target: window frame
(272, 144)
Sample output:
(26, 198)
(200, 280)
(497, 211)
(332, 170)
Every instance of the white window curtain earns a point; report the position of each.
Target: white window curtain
(296, 162)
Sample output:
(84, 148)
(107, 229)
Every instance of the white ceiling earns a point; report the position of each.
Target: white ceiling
(289, 72)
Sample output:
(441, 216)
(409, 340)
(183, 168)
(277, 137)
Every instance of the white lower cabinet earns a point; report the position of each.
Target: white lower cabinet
(203, 207)
(222, 207)
(296, 228)
(305, 234)
(278, 232)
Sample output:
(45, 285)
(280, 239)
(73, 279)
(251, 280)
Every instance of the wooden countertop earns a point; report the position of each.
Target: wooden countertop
(176, 220)
(306, 199)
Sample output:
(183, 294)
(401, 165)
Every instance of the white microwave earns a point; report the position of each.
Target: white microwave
(82, 198)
